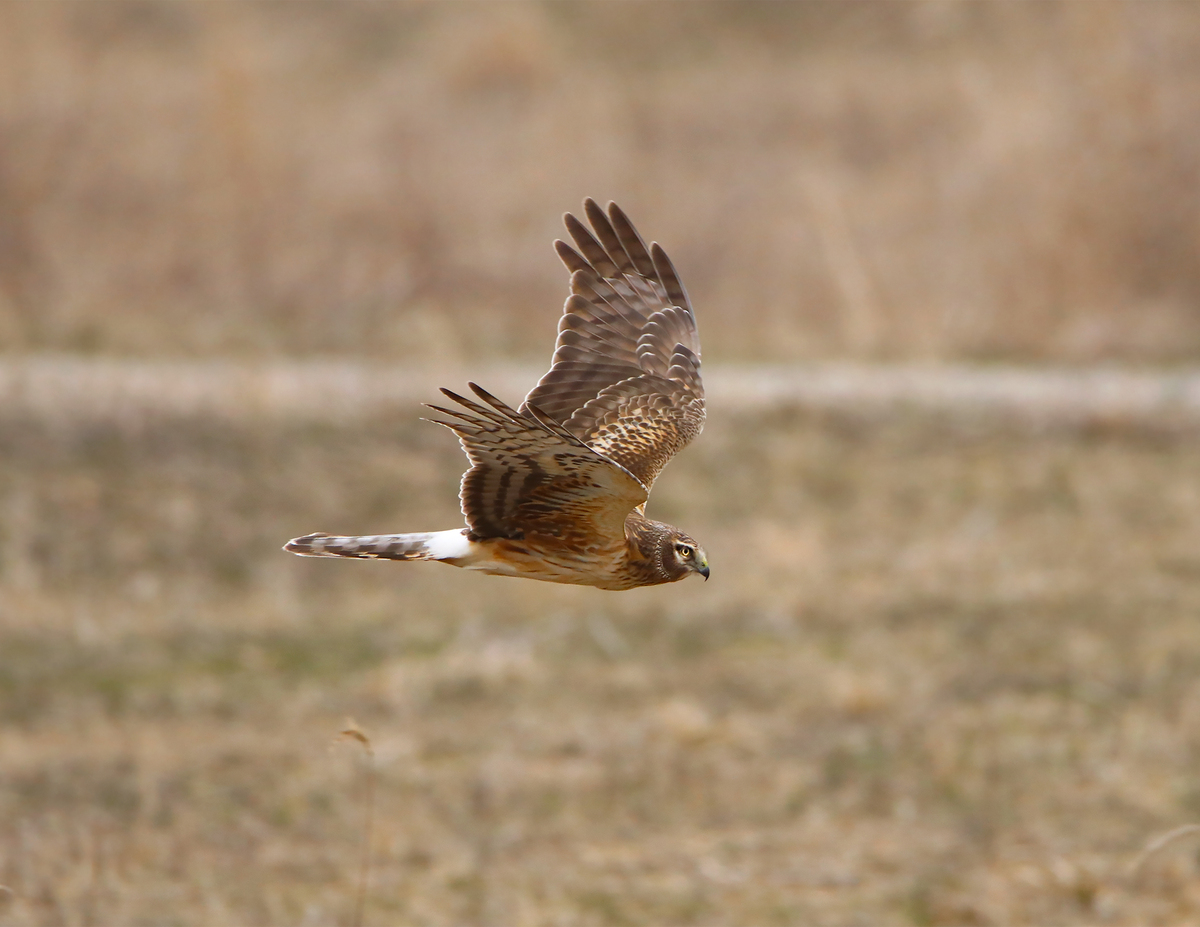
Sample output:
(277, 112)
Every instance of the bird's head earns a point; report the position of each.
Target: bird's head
(682, 555)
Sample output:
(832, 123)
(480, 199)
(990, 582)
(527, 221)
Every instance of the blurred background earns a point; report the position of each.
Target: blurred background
(923, 180)
(947, 670)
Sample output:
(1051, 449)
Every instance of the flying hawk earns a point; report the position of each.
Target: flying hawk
(557, 488)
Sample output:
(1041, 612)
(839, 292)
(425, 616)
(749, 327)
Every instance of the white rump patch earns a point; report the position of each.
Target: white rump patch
(448, 545)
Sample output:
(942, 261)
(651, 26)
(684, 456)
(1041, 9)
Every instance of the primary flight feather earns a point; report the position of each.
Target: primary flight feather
(557, 488)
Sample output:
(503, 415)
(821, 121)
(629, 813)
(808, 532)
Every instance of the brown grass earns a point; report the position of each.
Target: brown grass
(903, 180)
(941, 675)
(368, 836)
(945, 672)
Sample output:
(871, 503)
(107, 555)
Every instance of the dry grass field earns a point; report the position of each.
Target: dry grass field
(944, 673)
(947, 668)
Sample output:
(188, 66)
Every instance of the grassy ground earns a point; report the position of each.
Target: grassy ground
(942, 674)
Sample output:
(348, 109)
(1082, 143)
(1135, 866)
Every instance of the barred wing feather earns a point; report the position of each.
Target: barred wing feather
(625, 378)
(530, 476)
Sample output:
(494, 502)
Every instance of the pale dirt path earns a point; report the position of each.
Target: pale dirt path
(65, 389)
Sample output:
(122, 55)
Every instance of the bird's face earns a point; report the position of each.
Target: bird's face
(688, 557)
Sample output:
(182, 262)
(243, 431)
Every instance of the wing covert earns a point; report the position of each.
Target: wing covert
(529, 475)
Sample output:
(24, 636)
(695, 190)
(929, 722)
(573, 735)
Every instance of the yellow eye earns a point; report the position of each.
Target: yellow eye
(683, 550)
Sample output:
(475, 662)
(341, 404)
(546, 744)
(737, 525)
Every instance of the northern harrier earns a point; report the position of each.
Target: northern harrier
(557, 488)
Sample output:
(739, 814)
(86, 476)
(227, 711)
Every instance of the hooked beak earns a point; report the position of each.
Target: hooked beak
(703, 570)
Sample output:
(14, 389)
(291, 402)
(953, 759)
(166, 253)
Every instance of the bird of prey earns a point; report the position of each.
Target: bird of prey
(557, 488)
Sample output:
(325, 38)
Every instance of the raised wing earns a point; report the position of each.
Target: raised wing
(530, 476)
(626, 372)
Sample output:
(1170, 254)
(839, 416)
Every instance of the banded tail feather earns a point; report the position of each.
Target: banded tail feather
(426, 545)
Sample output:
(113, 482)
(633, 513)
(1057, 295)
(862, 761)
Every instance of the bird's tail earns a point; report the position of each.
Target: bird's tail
(427, 545)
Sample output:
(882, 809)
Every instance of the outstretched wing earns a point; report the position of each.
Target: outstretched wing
(530, 476)
(625, 378)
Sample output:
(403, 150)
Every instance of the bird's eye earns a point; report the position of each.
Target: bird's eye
(683, 550)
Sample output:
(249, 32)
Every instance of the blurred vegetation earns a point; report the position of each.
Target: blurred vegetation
(944, 673)
(925, 180)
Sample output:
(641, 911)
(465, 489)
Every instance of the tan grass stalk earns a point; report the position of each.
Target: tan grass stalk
(352, 732)
(1158, 843)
